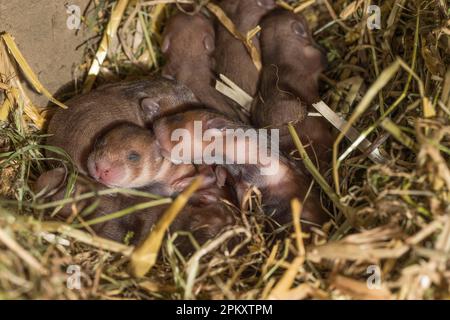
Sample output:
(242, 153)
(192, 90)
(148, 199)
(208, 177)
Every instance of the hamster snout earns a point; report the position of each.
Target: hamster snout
(107, 172)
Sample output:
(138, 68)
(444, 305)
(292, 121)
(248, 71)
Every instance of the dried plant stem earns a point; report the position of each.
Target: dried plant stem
(21, 252)
(110, 32)
(194, 261)
(396, 103)
(296, 215)
(316, 174)
(87, 238)
(382, 80)
(92, 194)
(144, 257)
(229, 25)
(124, 212)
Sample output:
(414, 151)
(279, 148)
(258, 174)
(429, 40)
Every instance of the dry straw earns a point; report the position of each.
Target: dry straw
(390, 220)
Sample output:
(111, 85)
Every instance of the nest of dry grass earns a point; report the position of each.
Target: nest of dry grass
(390, 219)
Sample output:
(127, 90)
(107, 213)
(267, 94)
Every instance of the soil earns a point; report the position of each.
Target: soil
(42, 35)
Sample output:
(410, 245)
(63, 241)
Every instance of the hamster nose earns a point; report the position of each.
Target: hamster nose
(104, 173)
(102, 170)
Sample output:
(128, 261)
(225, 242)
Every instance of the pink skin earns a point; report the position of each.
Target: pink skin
(106, 173)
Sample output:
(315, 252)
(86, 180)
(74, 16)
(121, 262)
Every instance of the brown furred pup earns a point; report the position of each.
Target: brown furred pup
(203, 219)
(232, 58)
(188, 46)
(277, 188)
(76, 129)
(292, 62)
(130, 156)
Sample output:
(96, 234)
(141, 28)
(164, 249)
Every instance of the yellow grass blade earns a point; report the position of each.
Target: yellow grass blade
(15, 94)
(85, 237)
(285, 5)
(26, 69)
(382, 80)
(15, 247)
(155, 16)
(229, 25)
(317, 176)
(4, 110)
(296, 206)
(148, 41)
(145, 255)
(303, 6)
(350, 9)
(286, 281)
(110, 33)
(398, 134)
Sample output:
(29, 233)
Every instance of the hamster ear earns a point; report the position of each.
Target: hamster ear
(165, 45)
(150, 108)
(208, 43)
(299, 29)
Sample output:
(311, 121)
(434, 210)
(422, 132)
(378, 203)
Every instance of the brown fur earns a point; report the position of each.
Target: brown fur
(150, 169)
(292, 63)
(89, 115)
(188, 47)
(277, 190)
(232, 58)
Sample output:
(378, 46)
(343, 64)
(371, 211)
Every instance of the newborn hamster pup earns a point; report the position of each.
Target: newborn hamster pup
(277, 188)
(232, 58)
(130, 156)
(287, 43)
(75, 129)
(188, 45)
(292, 62)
